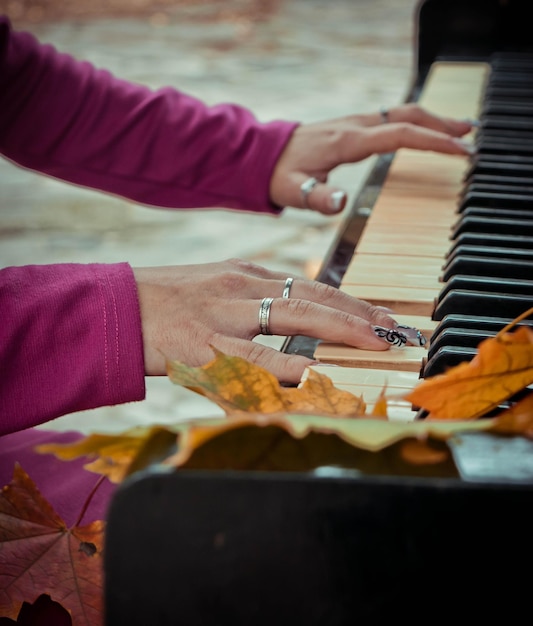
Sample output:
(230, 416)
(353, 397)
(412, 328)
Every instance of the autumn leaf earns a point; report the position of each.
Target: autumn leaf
(424, 452)
(297, 443)
(517, 420)
(117, 456)
(502, 367)
(237, 385)
(40, 555)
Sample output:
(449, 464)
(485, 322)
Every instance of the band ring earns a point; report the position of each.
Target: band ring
(264, 315)
(287, 287)
(306, 188)
(384, 112)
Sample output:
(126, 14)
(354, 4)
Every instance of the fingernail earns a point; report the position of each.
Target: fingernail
(385, 309)
(475, 123)
(413, 335)
(390, 335)
(466, 145)
(337, 200)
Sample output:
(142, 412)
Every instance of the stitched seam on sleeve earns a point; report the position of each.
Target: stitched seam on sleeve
(116, 337)
(104, 311)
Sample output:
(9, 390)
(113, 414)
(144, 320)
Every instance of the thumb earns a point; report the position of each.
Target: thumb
(321, 197)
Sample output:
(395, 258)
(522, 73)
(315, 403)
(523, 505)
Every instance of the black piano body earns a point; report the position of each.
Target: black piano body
(333, 546)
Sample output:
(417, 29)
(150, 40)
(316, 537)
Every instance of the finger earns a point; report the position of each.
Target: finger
(327, 296)
(414, 114)
(288, 368)
(322, 197)
(391, 137)
(289, 317)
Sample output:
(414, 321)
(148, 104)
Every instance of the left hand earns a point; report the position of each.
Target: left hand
(314, 150)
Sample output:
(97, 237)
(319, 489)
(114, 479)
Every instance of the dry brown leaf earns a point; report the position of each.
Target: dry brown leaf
(502, 367)
(40, 555)
(237, 385)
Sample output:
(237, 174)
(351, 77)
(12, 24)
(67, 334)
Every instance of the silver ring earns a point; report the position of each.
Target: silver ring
(287, 288)
(306, 188)
(384, 115)
(264, 315)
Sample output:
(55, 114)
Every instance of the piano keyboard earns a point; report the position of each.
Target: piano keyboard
(448, 245)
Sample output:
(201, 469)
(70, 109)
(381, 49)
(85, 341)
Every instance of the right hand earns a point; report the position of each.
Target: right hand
(187, 309)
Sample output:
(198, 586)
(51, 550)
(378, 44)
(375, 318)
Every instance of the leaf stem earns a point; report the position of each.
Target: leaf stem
(88, 501)
(515, 322)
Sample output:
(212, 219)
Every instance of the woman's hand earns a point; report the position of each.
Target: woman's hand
(187, 309)
(316, 149)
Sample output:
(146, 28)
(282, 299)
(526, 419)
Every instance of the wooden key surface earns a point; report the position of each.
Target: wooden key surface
(399, 257)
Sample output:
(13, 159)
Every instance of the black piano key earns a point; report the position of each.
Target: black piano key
(496, 212)
(493, 240)
(481, 224)
(497, 167)
(488, 266)
(503, 201)
(508, 123)
(516, 109)
(496, 188)
(525, 254)
(503, 147)
(499, 135)
(446, 357)
(483, 323)
(481, 303)
(497, 91)
(496, 284)
(491, 182)
(466, 337)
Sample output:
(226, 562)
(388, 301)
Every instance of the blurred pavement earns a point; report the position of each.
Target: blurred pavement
(309, 60)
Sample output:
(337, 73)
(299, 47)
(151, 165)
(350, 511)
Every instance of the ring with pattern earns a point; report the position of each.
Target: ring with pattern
(264, 315)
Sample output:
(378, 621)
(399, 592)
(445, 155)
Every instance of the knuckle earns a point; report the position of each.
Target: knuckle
(247, 267)
(299, 308)
(232, 281)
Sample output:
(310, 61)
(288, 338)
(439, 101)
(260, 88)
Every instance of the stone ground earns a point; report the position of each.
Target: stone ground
(295, 59)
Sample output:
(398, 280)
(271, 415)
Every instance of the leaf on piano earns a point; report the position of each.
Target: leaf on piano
(117, 456)
(502, 367)
(237, 385)
(309, 443)
(517, 420)
(40, 555)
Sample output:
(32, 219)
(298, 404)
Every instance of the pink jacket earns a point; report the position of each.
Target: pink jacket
(70, 336)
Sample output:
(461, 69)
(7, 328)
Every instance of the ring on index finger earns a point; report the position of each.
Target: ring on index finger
(306, 188)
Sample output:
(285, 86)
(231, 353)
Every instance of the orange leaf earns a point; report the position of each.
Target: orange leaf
(117, 456)
(518, 420)
(424, 452)
(237, 385)
(40, 555)
(502, 367)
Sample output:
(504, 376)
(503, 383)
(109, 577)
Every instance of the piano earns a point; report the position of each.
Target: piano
(335, 546)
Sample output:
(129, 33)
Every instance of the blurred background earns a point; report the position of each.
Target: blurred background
(304, 60)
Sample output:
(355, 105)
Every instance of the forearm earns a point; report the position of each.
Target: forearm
(72, 121)
(70, 340)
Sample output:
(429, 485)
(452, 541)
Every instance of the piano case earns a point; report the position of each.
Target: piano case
(332, 547)
(243, 548)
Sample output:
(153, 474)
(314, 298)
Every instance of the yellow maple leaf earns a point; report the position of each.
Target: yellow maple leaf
(237, 385)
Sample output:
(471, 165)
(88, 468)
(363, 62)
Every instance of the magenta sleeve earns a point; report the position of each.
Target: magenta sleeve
(70, 120)
(70, 340)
